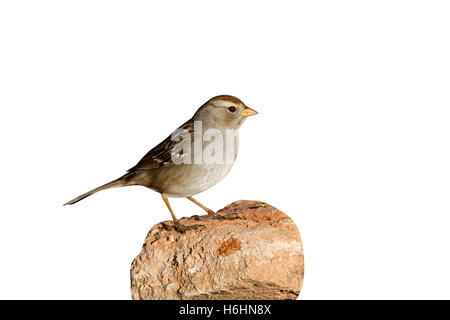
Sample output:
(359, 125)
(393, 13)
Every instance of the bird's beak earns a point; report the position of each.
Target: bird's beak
(247, 112)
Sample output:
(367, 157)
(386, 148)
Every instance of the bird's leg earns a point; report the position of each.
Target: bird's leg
(209, 211)
(176, 224)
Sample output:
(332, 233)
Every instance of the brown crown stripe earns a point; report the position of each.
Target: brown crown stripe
(226, 98)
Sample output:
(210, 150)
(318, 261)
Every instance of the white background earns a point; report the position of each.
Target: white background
(352, 139)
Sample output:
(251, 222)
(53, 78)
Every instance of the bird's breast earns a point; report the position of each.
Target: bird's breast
(188, 179)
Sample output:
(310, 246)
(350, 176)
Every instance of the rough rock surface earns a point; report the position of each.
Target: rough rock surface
(247, 250)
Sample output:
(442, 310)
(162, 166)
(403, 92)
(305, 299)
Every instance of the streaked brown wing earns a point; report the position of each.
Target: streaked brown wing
(162, 154)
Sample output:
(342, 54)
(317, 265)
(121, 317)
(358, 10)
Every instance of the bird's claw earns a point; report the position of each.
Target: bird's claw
(180, 228)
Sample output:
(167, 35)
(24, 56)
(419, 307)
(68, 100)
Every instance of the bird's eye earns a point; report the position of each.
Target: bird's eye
(232, 109)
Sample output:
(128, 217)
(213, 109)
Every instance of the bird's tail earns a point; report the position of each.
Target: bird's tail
(121, 182)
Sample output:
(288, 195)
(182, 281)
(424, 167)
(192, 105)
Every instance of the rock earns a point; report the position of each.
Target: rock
(247, 250)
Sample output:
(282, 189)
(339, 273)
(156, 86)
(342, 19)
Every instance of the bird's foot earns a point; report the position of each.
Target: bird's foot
(177, 226)
(210, 211)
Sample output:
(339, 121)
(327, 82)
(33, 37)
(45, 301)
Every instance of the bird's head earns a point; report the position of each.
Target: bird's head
(225, 110)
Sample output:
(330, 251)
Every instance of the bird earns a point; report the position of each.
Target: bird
(192, 159)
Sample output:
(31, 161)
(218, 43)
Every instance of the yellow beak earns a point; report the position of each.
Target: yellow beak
(248, 112)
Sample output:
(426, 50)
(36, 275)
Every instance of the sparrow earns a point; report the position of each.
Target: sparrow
(193, 158)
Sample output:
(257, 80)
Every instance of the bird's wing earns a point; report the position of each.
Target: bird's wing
(161, 155)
